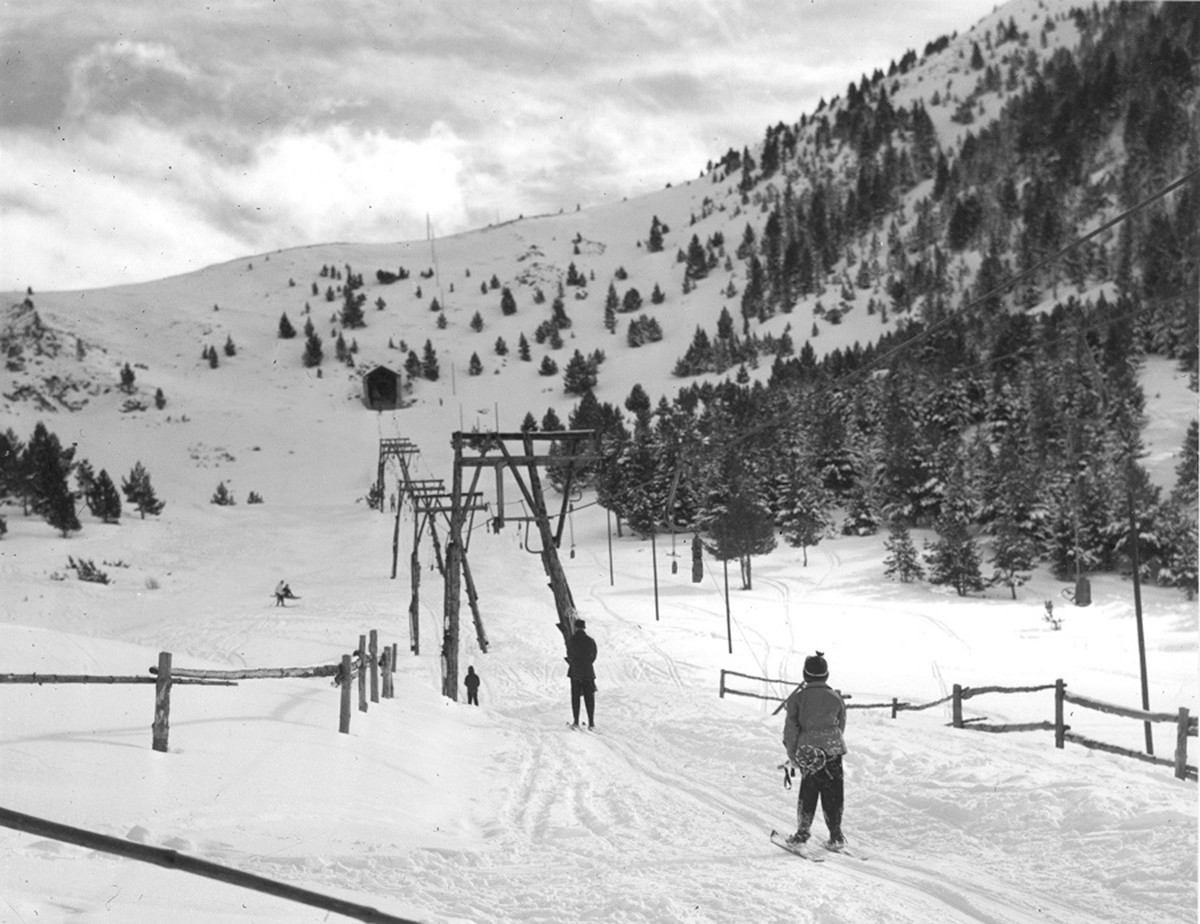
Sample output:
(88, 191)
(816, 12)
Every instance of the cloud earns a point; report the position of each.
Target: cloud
(142, 139)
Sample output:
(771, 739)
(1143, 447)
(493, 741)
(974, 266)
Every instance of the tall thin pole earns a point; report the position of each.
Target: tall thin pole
(1135, 555)
(728, 617)
(608, 516)
(654, 568)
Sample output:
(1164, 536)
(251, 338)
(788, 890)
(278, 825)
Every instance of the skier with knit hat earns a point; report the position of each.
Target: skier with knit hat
(812, 735)
(581, 655)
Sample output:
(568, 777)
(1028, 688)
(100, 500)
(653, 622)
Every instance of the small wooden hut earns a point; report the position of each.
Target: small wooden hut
(383, 389)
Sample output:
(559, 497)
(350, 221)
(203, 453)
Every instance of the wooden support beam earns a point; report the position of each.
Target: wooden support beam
(362, 673)
(344, 684)
(373, 648)
(162, 703)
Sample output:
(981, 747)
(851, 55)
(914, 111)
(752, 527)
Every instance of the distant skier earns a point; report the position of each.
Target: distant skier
(471, 682)
(283, 592)
(581, 654)
(812, 735)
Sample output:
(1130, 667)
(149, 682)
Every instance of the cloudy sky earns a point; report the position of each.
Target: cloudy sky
(139, 139)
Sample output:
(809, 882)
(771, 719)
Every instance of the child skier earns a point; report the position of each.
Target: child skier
(471, 682)
(812, 735)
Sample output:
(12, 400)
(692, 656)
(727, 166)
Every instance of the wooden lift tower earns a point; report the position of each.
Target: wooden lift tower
(519, 453)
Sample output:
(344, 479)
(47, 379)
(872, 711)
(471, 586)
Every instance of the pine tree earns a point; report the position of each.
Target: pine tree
(1013, 556)
(286, 330)
(105, 501)
(548, 367)
(222, 497)
(45, 467)
(697, 260)
(501, 348)
(508, 304)
(954, 557)
(802, 508)
(612, 303)
(352, 316)
(523, 349)
(412, 365)
(580, 375)
(638, 402)
(861, 516)
(742, 529)
(1186, 472)
(11, 452)
(477, 322)
(429, 363)
(140, 493)
(654, 243)
(313, 353)
(58, 509)
(1177, 549)
(475, 366)
(230, 348)
(127, 379)
(902, 562)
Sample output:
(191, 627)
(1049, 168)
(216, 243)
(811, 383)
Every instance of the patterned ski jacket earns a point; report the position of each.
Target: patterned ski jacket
(816, 716)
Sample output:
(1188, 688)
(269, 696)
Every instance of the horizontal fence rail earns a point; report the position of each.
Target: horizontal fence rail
(173, 859)
(41, 679)
(1186, 725)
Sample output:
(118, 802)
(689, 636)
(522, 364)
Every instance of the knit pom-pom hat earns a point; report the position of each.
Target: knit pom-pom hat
(815, 667)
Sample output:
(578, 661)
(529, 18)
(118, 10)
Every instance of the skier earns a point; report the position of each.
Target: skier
(812, 735)
(283, 592)
(471, 682)
(581, 653)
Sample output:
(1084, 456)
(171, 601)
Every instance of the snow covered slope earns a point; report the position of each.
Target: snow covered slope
(442, 812)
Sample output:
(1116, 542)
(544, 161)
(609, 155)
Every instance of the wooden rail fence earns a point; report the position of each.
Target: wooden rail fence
(1185, 724)
(366, 662)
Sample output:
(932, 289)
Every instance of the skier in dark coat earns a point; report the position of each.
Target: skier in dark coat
(471, 682)
(812, 735)
(581, 653)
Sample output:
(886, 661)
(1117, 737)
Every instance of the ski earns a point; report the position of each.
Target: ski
(844, 850)
(795, 849)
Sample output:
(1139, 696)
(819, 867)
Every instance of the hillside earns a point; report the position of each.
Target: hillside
(436, 811)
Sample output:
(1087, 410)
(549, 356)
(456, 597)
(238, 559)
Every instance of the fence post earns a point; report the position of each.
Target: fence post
(895, 706)
(956, 714)
(722, 696)
(344, 718)
(386, 672)
(1060, 728)
(162, 703)
(392, 670)
(373, 647)
(362, 673)
(1181, 745)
